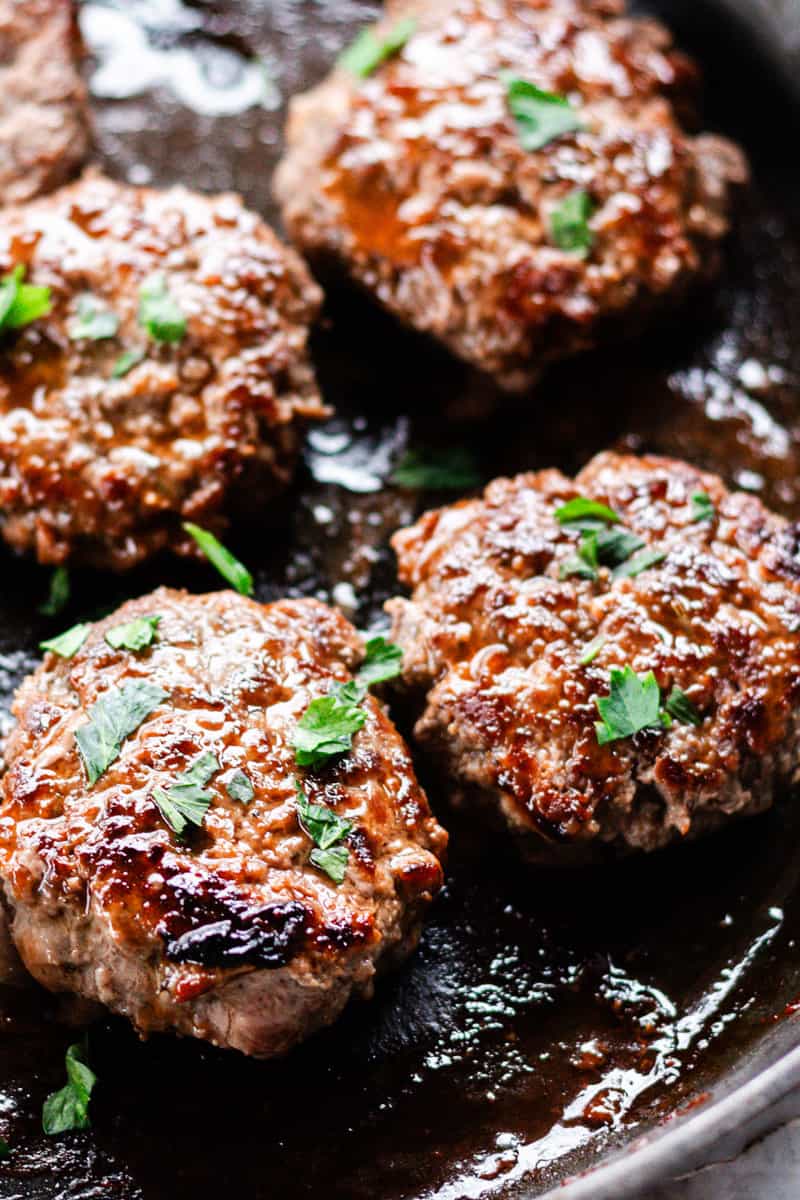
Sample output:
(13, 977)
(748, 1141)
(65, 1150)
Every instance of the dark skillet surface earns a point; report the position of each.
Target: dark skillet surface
(546, 1017)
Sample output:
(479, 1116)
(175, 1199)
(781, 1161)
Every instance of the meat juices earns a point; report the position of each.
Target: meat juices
(229, 933)
(415, 181)
(44, 123)
(107, 444)
(507, 660)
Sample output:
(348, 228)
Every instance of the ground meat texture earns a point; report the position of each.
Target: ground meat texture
(494, 642)
(414, 179)
(44, 130)
(231, 935)
(102, 468)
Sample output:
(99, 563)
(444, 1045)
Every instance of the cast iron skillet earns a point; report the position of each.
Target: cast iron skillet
(549, 1020)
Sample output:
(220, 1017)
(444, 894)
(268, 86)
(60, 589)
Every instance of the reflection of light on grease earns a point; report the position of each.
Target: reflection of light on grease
(210, 79)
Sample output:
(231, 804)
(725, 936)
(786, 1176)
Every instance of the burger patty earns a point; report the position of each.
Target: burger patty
(531, 634)
(44, 128)
(233, 930)
(443, 182)
(170, 380)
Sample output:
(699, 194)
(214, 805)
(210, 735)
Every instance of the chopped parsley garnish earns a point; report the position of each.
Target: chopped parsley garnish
(452, 469)
(58, 597)
(586, 514)
(186, 803)
(69, 1108)
(634, 703)
(118, 713)
(240, 788)
(679, 706)
(126, 362)
(93, 321)
(67, 643)
(134, 635)
(569, 224)
(591, 652)
(383, 660)
(640, 562)
(601, 546)
(230, 568)
(21, 303)
(584, 563)
(5, 1149)
(703, 507)
(326, 829)
(159, 313)
(369, 51)
(326, 728)
(539, 116)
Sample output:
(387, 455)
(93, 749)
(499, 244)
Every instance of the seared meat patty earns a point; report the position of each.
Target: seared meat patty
(418, 181)
(44, 132)
(521, 619)
(228, 932)
(170, 381)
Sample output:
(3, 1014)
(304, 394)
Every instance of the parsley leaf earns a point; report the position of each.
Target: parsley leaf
(67, 643)
(585, 562)
(452, 469)
(327, 726)
(133, 635)
(369, 51)
(633, 704)
(586, 514)
(185, 803)
(539, 116)
(569, 224)
(69, 1108)
(635, 566)
(679, 706)
(240, 788)
(92, 321)
(230, 568)
(703, 507)
(112, 718)
(601, 547)
(383, 660)
(21, 303)
(591, 652)
(326, 829)
(58, 597)
(126, 362)
(159, 314)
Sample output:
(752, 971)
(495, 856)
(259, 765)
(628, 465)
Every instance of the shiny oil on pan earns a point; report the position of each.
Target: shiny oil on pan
(548, 1019)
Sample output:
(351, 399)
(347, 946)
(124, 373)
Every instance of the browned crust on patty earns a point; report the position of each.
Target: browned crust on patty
(232, 936)
(493, 641)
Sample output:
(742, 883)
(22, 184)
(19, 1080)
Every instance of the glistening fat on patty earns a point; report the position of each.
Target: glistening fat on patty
(170, 381)
(513, 178)
(189, 887)
(534, 622)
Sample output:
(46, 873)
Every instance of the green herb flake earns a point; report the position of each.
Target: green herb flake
(585, 563)
(68, 643)
(633, 704)
(230, 568)
(21, 303)
(326, 829)
(5, 1149)
(134, 635)
(369, 50)
(591, 652)
(635, 566)
(93, 321)
(58, 597)
(186, 803)
(539, 116)
(447, 470)
(69, 1108)
(326, 728)
(702, 507)
(159, 313)
(240, 788)
(679, 706)
(126, 362)
(383, 660)
(118, 713)
(569, 224)
(586, 514)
